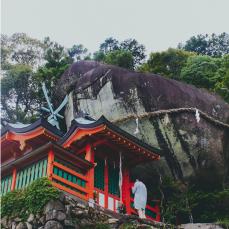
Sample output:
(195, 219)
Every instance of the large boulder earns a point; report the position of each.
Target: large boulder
(188, 146)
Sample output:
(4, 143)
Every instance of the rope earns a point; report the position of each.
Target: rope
(174, 111)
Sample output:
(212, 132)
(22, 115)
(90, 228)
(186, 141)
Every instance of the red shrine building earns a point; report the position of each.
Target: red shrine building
(91, 161)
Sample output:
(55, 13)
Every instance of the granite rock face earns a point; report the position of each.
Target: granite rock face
(188, 146)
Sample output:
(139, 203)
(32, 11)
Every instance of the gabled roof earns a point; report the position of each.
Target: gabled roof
(37, 133)
(102, 125)
(27, 128)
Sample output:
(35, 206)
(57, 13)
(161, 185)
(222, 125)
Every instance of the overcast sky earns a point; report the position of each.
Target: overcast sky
(158, 24)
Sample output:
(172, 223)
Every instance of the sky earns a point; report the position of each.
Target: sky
(158, 24)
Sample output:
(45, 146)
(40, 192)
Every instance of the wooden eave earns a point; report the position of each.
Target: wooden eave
(26, 134)
(111, 132)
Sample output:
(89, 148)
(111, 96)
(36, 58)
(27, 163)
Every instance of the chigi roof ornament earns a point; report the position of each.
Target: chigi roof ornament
(54, 114)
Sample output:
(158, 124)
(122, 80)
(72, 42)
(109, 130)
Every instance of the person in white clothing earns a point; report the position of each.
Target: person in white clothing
(140, 197)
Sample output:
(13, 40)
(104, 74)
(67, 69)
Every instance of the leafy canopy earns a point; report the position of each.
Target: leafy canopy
(127, 47)
(211, 45)
(168, 63)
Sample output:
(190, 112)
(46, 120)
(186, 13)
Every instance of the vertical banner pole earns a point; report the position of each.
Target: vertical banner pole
(120, 175)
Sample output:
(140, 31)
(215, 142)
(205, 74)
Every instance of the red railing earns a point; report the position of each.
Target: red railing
(67, 179)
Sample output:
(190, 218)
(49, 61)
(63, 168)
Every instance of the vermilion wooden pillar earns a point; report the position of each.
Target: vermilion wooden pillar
(50, 164)
(126, 190)
(90, 156)
(106, 182)
(14, 177)
(158, 217)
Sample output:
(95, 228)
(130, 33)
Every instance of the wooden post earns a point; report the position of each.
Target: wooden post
(90, 156)
(106, 182)
(14, 178)
(50, 164)
(126, 190)
(158, 217)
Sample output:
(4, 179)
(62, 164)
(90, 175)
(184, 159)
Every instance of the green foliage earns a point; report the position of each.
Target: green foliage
(120, 58)
(29, 200)
(210, 206)
(128, 226)
(201, 71)
(19, 98)
(12, 204)
(57, 60)
(78, 52)
(97, 226)
(181, 203)
(112, 47)
(110, 44)
(168, 63)
(222, 85)
(175, 203)
(224, 223)
(99, 56)
(211, 45)
(137, 50)
(21, 49)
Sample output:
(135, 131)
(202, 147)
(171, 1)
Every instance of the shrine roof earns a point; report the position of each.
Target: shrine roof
(102, 121)
(20, 128)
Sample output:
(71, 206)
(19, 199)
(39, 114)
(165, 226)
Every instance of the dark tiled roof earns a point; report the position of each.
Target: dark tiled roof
(39, 122)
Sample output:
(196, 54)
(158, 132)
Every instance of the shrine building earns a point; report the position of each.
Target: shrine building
(91, 161)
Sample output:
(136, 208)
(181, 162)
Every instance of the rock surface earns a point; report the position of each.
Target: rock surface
(188, 147)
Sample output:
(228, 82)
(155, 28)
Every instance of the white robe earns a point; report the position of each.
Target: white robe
(140, 195)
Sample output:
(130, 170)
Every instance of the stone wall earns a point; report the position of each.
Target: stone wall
(70, 213)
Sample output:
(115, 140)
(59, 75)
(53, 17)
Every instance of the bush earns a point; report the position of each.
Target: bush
(28, 200)
(205, 206)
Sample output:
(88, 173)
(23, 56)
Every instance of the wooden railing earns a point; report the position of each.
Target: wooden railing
(69, 180)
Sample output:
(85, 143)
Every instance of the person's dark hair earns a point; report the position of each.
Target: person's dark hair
(138, 178)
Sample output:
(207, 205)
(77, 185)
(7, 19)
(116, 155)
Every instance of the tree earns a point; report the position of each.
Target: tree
(110, 44)
(212, 45)
(130, 45)
(99, 56)
(21, 49)
(120, 58)
(222, 85)
(19, 98)
(78, 52)
(56, 60)
(201, 71)
(136, 49)
(168, 63)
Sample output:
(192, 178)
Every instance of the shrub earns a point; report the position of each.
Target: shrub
(28, 200)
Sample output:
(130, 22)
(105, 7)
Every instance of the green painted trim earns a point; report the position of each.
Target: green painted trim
(24, 178)
(45, 168)
(28, 176)
(33, 172)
